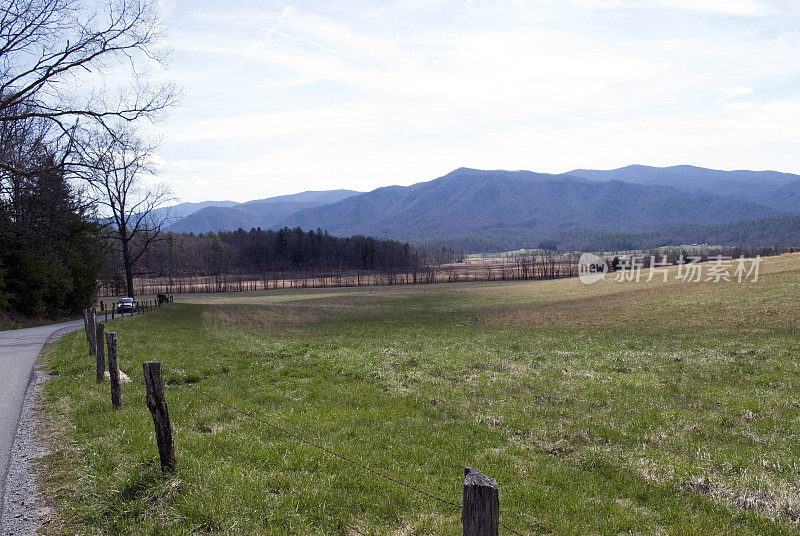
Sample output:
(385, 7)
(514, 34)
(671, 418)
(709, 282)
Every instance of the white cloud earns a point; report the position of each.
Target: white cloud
(738, 106)
(281, 100)
(727, 7)
(599, 3)
(735, 91)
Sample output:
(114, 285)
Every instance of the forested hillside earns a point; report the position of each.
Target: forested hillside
(466, 202)
(496, 210)
(780, 191)
(780, 231)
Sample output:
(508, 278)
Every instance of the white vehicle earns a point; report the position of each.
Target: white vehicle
(126, 305)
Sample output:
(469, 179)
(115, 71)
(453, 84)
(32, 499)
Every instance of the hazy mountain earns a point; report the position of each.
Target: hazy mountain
(174, 213)
(262, 213)
(785, 197)
(318, 197)
(773, 189)
(468, 201)
(783, 230)
(478, 210)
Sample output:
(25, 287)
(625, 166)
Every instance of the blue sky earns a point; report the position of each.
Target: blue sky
(280, 97)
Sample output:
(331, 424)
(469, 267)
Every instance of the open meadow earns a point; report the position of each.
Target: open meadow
(612, 408)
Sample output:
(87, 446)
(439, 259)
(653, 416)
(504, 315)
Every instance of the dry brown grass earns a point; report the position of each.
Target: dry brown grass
(704, 306)
(234, 317)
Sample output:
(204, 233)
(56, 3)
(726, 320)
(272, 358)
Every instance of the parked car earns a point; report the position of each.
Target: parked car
(126, 305)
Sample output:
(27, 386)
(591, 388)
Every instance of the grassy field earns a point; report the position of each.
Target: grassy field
(615, 408)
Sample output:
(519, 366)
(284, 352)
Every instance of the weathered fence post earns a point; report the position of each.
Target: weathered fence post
(157, 405)
(101, 350)
(92, 332)
(480, 514)
(113, 370)
(85, 315)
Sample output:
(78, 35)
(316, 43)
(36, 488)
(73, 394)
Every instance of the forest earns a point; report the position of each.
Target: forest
(218, 258)
(769, 233)
(49, 247)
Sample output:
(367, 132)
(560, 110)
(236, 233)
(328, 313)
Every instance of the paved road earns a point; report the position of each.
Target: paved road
(18, 352)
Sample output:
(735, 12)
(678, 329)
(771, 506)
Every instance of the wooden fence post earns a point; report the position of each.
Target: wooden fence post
(101, 350)
(85, 315)
(480, 514)
(113, 370)
(92, 332)
(157, 405)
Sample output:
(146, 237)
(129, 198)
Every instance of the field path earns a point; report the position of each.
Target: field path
(19, 350)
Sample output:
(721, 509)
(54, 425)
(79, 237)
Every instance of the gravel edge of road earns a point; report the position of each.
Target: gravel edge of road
(24, 510)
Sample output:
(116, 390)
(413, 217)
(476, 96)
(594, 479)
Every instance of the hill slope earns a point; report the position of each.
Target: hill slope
(773, 189)
(784, 231)
(262, 213)
(468, 201)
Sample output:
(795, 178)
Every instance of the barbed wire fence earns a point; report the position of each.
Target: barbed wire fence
(480, 506)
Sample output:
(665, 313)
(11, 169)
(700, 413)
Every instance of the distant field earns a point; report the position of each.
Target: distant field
(615, 408)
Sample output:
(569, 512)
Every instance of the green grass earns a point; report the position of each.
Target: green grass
(604, 409)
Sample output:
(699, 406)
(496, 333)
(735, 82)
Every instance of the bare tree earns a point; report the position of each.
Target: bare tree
(121, 166)
(55, 56)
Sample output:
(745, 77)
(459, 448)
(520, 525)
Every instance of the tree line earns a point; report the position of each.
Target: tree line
(226, 260)
(767, 232)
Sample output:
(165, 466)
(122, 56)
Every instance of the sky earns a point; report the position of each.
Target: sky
(282, 97)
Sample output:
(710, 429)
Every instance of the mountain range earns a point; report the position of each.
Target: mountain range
(478, 210)
(773, 189)
(229, 216)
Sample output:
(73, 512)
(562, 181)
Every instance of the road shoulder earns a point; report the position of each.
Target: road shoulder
(24, 508)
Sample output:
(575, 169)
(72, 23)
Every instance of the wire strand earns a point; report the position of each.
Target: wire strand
(320, 447)
(331, 452)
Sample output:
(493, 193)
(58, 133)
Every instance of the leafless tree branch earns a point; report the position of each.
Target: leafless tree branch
(121, 163)
(48, 46)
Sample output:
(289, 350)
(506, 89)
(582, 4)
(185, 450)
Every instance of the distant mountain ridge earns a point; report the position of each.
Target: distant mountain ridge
(469, 201)
(485, 210)
(772, 189)
(262, 213)
(181, 210)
